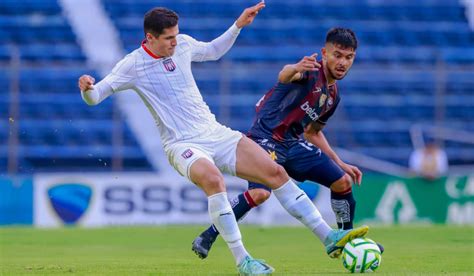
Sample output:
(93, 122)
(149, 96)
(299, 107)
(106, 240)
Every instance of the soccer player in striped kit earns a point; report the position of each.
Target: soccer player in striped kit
(197, 146)
(305, 97)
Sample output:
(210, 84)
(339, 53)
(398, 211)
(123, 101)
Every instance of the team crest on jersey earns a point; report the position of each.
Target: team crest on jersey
(330, 102)
(188, 153)
(169, 65)
(322, 99)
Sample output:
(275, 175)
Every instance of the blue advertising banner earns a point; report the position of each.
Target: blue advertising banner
(16, 200)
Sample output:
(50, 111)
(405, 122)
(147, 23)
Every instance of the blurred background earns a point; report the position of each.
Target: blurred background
(63, 162)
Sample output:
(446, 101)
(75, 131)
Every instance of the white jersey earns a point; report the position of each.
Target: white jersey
(167, 86)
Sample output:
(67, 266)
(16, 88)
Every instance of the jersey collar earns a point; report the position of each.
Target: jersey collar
(148, 51)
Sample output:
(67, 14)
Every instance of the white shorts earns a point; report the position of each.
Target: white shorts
(219, 147)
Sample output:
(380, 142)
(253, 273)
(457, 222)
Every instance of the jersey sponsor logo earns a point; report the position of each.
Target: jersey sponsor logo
(310, 111)
(169, 65)
(187, 153)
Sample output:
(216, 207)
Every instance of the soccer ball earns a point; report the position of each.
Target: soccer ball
(361, 255)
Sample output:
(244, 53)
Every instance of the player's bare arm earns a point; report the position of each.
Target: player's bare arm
(293, 72)
(86, 82)
(249, 14)
(315, 136)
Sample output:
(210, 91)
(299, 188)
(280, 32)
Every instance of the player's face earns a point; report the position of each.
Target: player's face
(337, 61)
(165, 44)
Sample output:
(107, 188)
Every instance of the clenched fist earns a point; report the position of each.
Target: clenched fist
(86, 82)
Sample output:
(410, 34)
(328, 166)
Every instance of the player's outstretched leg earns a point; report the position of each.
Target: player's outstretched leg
(336, 239)
(241, 205)
(207, 176)
(222, 215)
(297, 203)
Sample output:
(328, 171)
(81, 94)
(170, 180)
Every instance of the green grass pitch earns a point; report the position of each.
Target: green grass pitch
(414, 250)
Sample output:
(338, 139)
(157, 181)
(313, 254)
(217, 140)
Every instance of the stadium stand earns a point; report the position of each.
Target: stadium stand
(56, 130)
(414, 65)
(406, 50)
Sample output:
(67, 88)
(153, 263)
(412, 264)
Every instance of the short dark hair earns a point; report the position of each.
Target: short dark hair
(158, 19)
(346, 38)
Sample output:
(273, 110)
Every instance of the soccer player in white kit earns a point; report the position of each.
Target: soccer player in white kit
(197, 146)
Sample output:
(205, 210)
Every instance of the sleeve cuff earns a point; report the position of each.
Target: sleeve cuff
(91, 97)
(234, 29)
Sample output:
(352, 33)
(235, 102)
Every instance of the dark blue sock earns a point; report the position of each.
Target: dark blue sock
(343, 205)
(240, 205)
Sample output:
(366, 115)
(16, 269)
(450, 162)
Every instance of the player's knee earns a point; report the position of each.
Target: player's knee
(259, 196)
(213, 183)
(342, 184)
(278, 174)
(274, 176)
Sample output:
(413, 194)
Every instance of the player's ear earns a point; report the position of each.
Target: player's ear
(323, 53)
(149, 36)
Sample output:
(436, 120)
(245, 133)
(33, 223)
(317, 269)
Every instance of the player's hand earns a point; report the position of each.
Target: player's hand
(86, 82)
(249, 14)
(307, 63)
(294, 72)
(353, 171)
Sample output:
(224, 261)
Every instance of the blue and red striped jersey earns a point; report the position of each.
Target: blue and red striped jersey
(285, 110)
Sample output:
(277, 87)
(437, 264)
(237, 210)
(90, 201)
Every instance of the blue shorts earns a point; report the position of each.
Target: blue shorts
(301, 160)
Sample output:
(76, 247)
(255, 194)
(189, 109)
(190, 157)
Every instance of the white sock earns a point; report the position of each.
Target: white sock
(322, 231)
(223, 218)
(297, 203)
